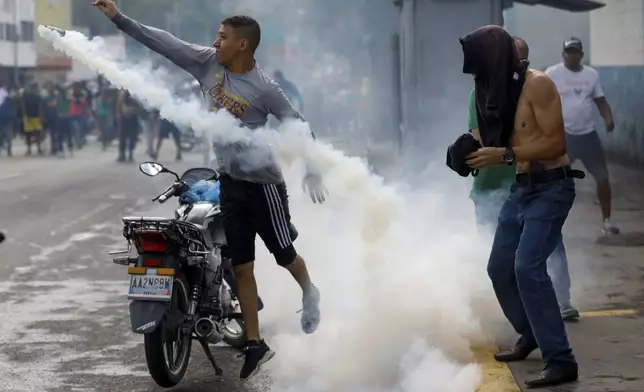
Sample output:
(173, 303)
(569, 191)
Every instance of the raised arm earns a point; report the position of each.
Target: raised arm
(192, 58)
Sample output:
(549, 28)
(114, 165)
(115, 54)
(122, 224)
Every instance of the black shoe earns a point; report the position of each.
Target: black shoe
(519, 352)
(257, 354)
(555, 373)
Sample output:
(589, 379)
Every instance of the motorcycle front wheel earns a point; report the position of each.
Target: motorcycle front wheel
(167, 349)
(187, 146)
(187, 141)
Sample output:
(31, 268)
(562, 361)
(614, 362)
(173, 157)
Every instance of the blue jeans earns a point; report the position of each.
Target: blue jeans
(488, 206)
(528, 231)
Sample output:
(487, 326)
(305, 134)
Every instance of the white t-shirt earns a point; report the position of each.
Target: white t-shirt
(578, 90)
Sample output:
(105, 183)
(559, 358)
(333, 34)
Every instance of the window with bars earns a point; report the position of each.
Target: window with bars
(27, 31)
(10, 32)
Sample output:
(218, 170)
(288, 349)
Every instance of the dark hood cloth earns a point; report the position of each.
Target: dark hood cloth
(490, 55)
(457, 152)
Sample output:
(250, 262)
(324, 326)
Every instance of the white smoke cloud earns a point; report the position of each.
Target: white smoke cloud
(400, 270)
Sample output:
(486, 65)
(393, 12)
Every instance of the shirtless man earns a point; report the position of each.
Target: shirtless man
(526, 128)
(490, 189)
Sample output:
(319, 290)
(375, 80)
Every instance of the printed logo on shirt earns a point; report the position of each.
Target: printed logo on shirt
(578, 91)
(222, 98)
(575, 83)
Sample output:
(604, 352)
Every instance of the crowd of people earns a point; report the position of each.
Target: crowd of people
(55, 119)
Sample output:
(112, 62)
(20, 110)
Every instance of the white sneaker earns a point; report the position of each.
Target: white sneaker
(609, 228)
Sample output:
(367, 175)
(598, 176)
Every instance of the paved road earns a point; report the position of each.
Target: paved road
(64, 322)
(607, 285)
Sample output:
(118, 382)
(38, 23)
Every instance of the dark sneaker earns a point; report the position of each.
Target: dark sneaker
(257, 354)
(311, 311)
(569, 314)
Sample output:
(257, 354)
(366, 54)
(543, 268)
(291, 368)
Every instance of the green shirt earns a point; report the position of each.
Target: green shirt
(490, 178)
(63, 103)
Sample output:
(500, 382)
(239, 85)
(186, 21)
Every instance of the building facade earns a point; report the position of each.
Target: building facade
(617, 52)
(52, 65)
(17, 33)
(545, 29)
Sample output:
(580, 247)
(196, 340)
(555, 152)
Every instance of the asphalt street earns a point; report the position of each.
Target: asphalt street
(64, 323)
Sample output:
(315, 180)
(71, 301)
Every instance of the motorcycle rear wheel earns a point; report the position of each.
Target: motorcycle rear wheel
(168, 359)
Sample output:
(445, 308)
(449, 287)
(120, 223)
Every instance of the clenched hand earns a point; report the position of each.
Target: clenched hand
(485, 157)
(317, 190)
(108, 7)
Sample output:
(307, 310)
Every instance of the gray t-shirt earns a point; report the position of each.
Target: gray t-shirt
(250, 97)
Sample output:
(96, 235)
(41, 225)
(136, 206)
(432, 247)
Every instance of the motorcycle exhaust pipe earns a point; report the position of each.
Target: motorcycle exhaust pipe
(206, 328)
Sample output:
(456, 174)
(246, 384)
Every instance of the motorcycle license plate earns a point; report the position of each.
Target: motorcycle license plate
(151, 286)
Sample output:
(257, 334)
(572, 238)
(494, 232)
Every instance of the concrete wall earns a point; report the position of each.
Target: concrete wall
(617, 34)
(545, 30)
(617, 45)
(434, 91)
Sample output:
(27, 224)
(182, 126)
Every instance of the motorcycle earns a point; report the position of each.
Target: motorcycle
(182, 285)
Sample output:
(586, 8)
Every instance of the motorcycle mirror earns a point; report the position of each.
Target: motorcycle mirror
(151, 168)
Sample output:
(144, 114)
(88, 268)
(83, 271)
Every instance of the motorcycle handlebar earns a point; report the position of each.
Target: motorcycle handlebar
(172, 191)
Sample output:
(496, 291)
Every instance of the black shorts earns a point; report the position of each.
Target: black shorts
(166, 128)
(248, 209)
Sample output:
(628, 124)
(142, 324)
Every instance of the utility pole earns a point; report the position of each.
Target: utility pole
(16, 40)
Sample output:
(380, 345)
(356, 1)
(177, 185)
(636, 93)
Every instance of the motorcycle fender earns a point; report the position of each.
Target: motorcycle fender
(145, 316)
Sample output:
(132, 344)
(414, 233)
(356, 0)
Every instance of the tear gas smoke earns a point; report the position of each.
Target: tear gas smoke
(402, 273)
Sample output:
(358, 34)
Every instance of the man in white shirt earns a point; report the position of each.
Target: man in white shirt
(580, 90)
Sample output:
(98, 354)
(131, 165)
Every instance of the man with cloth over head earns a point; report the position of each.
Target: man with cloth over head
(490, 188)
(520, 123)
